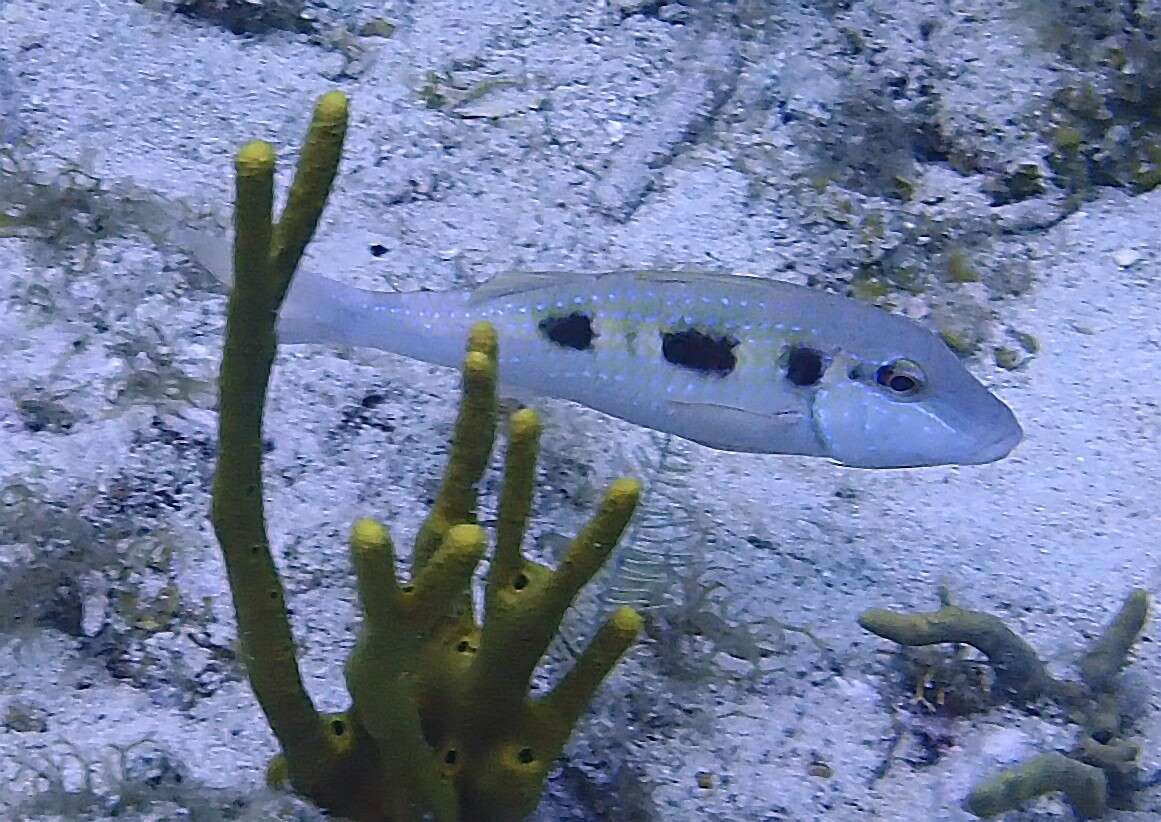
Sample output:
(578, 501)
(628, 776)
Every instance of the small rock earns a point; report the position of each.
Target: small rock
(1007, 358)
(1027, 341)
(24, 717)
(377, 28)
(820, 769)
(1125, 257)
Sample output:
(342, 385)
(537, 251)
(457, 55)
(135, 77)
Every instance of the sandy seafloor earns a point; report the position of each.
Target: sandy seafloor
(627, 137)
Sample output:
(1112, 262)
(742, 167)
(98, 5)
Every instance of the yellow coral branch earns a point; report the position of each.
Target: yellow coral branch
(1019, 671)
(524, 614)
(591, 548)
(472, 439)
(441, 723)
(446, 574)
(571, 696)
(515, 497)
(373, 556)
(1084, 785)
(315, 174)
(1103, 661)
(384, 686)
(237, 512)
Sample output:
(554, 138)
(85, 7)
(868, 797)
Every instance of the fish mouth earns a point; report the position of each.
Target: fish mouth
(999, 447)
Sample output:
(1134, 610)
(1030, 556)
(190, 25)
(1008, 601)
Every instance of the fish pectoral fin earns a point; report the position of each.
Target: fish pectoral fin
(733, 428)
(711, 414)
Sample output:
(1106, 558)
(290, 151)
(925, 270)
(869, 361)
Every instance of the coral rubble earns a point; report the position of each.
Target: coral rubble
(1101, 770)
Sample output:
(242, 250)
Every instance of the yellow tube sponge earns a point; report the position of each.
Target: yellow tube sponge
(1082, 785)
(445, 699)
(268, 650)
(441, 723)
(1107, 655)
(1019, 671)
(472, 438)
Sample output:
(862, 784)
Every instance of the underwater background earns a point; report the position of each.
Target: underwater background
(988, 168)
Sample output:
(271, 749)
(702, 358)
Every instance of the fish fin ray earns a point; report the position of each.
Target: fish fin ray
(693, 276)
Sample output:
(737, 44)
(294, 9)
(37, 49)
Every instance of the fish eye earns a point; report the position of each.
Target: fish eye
(901, 377)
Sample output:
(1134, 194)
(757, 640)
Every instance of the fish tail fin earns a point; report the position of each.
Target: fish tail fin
(210, 249)
(316, 309)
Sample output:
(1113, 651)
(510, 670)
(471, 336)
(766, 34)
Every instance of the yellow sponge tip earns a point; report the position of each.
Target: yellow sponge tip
(331, 106)
(465, 539)
(367, 534)
(478, 367)
(623, 492)
(278, 773)
(256, 157)
(626, 621)
(482, 338)
(524, 424)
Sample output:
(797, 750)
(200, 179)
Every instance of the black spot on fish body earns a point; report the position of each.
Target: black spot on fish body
(804, 366)
(699, 351)
(573, 331)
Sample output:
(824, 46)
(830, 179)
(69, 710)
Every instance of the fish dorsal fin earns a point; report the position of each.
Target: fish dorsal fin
(749, 286)
(692, 277)
(521, 282)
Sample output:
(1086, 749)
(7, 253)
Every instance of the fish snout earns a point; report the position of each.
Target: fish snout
(1004, 434)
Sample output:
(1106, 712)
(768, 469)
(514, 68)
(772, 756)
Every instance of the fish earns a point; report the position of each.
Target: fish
(733, 362)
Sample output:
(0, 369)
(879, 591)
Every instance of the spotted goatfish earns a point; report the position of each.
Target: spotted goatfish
(736, 363)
